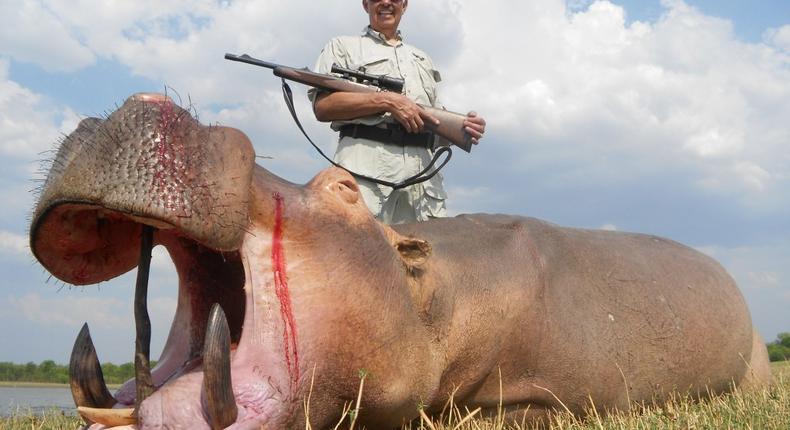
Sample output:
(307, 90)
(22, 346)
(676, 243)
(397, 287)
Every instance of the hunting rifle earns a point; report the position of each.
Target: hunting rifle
(451, 124)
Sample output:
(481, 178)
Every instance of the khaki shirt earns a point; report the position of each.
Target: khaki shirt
(371, 51)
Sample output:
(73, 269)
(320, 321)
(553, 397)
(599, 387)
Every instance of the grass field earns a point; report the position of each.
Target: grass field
(768, 409)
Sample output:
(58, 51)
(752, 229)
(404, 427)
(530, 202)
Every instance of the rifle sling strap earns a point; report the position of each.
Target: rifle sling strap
(423, 176)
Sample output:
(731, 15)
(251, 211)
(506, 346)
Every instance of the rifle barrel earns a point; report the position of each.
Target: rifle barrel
(244, 58)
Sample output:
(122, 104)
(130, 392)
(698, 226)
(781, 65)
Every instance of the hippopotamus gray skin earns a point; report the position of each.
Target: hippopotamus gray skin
(491, 309)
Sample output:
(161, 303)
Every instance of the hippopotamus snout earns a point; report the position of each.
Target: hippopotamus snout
(149, 161)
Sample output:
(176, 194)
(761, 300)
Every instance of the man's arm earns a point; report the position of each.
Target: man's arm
(344, 106)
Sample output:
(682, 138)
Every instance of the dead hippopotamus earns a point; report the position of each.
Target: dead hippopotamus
(490, 309)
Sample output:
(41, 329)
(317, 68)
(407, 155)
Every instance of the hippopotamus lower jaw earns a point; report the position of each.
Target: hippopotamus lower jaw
(259, 381)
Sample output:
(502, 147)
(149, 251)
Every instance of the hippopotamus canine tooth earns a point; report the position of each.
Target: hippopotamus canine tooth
(86, 378)
(217, 387)
(142, 368)
(108, 417)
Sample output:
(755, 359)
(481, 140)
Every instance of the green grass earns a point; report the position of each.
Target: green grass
(766, 409)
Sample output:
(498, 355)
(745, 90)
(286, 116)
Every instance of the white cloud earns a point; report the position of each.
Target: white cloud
(466, 199)
(13, 244)
(609, 227)
(779, 37)
(568, 80)
(71, 307)
(67, 309)
(682, 92)
(31, 32)
(763, 276)
(764, 280)
(30, 124)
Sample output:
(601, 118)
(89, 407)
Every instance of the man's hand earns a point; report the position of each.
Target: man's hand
(408, 113)
(475, 126)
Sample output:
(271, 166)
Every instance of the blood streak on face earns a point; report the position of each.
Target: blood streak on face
(283, 295)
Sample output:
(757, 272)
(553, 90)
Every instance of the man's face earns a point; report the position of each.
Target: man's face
(385, 14)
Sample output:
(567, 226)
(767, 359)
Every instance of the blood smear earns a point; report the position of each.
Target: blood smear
(283, 295)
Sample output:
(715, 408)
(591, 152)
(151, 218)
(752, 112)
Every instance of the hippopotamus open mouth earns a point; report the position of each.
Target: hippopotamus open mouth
(150, 171)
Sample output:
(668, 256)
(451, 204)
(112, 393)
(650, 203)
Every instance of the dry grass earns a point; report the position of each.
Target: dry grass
(50, 420)
(767, 409)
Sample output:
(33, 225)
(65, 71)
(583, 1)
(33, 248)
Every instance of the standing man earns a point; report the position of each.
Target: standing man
(382, 134)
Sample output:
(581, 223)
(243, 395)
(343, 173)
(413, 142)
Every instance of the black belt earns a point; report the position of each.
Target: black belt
(392, 134)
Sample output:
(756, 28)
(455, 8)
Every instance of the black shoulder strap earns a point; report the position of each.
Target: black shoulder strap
(416, 179)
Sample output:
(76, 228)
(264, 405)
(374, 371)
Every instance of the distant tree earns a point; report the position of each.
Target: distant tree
(784, 339)
(779, 350)
(29, 372)
(49, 371)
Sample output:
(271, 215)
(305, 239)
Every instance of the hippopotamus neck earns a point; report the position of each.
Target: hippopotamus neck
(302, 279)
(465, 275)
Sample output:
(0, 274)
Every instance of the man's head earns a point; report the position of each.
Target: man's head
(385, 15)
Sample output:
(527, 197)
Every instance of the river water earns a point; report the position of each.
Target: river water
(35, 399)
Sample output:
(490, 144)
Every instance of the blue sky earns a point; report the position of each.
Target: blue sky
(662, 117)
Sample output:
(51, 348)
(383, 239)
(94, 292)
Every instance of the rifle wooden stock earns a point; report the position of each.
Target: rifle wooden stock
(451, 127)
(451, 124)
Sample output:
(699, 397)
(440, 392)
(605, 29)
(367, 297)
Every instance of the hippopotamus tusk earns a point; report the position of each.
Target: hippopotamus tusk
(142, 344)
(85, 374)
(108, 417)
(217, 386)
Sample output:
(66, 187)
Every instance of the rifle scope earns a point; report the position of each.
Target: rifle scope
(381, 81)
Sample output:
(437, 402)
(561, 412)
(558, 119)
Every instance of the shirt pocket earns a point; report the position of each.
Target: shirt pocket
(375, 65)
(428, 75)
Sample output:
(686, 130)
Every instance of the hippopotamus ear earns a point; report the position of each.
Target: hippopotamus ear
(413, 251)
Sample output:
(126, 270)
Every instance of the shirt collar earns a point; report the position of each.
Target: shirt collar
(370, 32)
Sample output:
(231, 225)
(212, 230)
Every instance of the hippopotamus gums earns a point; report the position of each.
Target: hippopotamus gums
(490, 309)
